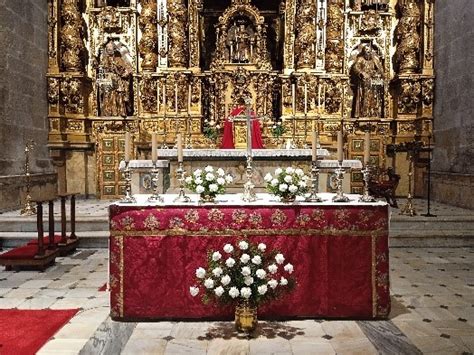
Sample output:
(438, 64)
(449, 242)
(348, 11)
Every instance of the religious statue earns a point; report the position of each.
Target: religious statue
(240, 40)
(114, 79)
(367, 83)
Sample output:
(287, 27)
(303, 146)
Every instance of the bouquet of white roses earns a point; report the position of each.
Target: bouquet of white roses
(246, 272)
(288, 183)
(208, 182)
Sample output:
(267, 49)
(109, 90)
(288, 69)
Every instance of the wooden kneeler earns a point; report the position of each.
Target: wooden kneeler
(32, 255)
(68, 244)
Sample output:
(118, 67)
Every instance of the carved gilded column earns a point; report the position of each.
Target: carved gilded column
(178, 43)
(72, 46)
(334, 36)
(407, 34)
(288, 56)
(305, 53)
(428, 37)
(149, 42)
(53, 58)
(194, 7)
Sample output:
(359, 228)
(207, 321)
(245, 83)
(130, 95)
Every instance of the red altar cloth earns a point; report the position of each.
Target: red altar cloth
(340, 255)
(228, 138)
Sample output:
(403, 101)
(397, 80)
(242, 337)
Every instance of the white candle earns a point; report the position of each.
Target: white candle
(176, 98)
(340, 155)
(164, 96)
(154, 147)
(127, 146)
(314, 146)
(249, 134)
(366, 148)
(319, 97)
(179, 143)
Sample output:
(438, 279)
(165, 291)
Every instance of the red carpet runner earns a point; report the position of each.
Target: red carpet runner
(26, 331)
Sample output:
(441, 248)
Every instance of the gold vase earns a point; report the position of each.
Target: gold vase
(207, 198)
(288, 199)
(245, 317)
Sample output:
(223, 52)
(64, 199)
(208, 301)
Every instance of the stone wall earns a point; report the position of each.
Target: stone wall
(453, 156)
(23, 106)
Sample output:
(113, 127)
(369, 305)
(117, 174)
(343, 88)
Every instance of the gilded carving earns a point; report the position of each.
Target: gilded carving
(148, 94)
(305, 53)
(333, 99)
(428, 91)
(53, 91)
(149, 42)
(75, 125)
(71, 95)
(178, 44)
(407, 35)
(334, 31)
(409, 96)
(72, 46)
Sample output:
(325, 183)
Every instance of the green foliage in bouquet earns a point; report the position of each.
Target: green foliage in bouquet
(208, 181)
(287, 183)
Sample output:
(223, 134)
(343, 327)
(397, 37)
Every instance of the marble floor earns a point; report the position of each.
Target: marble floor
(432, 313)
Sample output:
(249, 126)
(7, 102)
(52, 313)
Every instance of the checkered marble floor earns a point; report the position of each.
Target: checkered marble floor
(432, 313)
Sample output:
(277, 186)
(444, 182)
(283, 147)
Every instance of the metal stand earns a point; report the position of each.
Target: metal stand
(155, 197)
(189, 135)
(340, 197)
(305, 142)
(249, 193)
(428, 212)
(128, 198)
(313, 197)
(366, 196)
(28, 209)
(408, 208)
(180, 173)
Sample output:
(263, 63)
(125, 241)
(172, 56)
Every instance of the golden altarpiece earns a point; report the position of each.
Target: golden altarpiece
(170, 66)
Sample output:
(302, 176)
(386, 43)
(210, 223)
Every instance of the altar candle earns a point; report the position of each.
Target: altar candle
(340, 155)
(249, 134)
(179, 144)
(127, 146)
(366, 148)
(154, 147)
(314, 146)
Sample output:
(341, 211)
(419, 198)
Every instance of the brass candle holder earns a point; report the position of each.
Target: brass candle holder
(366, 195)
(249, 193)
(127, 172)
(28, 209)
(180, 174)
(155, 197)
(313, 197)
(340, 197)
(408, 209)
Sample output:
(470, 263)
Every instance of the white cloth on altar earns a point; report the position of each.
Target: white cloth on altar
(235, 153)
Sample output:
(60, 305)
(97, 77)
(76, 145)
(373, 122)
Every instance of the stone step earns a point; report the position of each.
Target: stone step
(19, 224)
(89, 239)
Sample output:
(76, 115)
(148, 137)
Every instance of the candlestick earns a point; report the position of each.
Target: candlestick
(128, 198)
(127, 147)
(305, 98)
(340, 155)
(249, 133)
(180, 174)
(366, 148)
(28, 209)
(249, 193)
(179, 143)
(154, 147)
(314, 146)
(313, 197)
(340, 197)
(155, 197)
(366, 195)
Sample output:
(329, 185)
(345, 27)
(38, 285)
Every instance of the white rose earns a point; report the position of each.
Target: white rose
(210, 177)
(209, 283)
(244, 259)
(213, 187)
(262, 289)
(268, 177)
(198, 181)
(225, 280)
(200, 189)
(283, 281)
(302, 184)
(217, 272)
(216, 256)
(283, 187)
(219, 291)
(293, 188)
(288, 179)
(221, 181)
(200, 273)
(220, 172)
(279, 258)
(273, 283)
(194, 291)
(228, 248)
(230, 262)
(234, 292)
(262, 247)
(288, 268)
(208, 169)
(274, 182)
(261, 274)
(246, 292)
(229, 179)
(299, 172)
(197, 172)
(248, 280)
(188, 180)
(278, 171)
(243, 245)
(272, 268)
(257, 260)
(290, 170)
(246, 271)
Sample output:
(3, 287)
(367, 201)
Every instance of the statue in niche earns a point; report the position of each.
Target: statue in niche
(241, 42)
(114, 81)
(367, 83)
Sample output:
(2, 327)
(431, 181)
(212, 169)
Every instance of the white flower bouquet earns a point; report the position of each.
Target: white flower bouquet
(287, 183)
(208, 182)
(244, 273)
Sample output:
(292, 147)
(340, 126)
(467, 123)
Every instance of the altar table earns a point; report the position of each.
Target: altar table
(339, 252)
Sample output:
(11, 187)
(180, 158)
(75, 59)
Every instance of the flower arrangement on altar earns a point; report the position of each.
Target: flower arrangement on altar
(277, 129)
(208, 182)
(287, 183)
(246, 275)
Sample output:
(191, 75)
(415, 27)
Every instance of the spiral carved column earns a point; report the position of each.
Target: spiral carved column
(72, 46)
(149, 42)
(408, 37)
(306, 35)
(334, 36)
(178, 44)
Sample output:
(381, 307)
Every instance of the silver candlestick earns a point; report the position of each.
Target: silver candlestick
(155, 197)
(249, 193)
(189, 135)
(340, 197)
(366, 196)
(313, 197)
(127, 172)
(180, 174)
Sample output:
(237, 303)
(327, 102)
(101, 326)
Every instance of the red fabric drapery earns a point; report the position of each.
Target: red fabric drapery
(228, 138)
